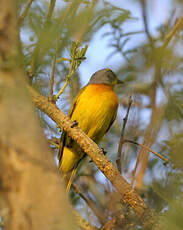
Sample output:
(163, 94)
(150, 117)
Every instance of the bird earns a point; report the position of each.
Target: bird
(94, 110)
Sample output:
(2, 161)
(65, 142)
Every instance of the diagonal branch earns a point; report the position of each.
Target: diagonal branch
(128, 194)
(172, 33)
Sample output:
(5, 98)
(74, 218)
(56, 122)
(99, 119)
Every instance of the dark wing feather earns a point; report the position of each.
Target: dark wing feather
(113, 119)
(61, 146)
(65, 139)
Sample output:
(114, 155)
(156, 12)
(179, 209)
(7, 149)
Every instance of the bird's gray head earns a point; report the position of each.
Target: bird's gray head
(104, 76)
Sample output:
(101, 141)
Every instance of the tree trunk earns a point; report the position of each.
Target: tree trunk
(31, 194)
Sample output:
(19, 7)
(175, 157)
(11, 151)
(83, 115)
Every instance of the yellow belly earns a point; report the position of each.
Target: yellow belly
(95, 108)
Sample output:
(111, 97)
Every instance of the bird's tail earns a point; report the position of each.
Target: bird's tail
(69, 160)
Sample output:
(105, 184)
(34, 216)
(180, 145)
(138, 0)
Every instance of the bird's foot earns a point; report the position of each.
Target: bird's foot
(74, 124)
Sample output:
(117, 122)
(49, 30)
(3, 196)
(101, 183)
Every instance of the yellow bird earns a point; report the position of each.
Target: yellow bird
(94, 109)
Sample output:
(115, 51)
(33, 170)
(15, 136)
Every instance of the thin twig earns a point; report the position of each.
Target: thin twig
(173, 32)
(144, 15)
(53, 143)
(55, 140)
(62, 59)
(48, 17)
(24, 14)
(52, 74)
(76, 57)
(55, 60)
(37, 48)
(66, 80)
(50, 11)
(149, 138)
(149, 149)
(63, 88)
(89, 202)
(118, 161)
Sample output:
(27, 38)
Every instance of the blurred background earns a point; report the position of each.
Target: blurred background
(132, 38)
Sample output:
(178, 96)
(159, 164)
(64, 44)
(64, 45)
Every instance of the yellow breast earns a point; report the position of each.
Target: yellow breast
(96, 107)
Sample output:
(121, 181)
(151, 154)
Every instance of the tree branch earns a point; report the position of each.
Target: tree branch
(24, 14)
(36, 50)
(144, 15)
(50, 11)
(129, 196)
(173, 32)
(52, 75)
(148, 149)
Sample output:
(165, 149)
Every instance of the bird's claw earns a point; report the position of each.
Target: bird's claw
(74, 124)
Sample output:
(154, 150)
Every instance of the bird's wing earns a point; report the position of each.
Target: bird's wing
(112, 120)
(73, 106)
(65, 139)
(61, 146)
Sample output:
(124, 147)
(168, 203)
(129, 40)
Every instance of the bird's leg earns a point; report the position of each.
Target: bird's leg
(74, 124)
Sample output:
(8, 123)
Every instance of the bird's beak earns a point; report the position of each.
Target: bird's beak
(120, 82)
